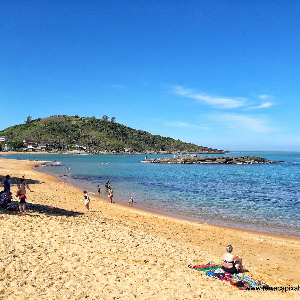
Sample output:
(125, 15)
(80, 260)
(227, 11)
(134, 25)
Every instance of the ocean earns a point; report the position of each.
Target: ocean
(261, 197)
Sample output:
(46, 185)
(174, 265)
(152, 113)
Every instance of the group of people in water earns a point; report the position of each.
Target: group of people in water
(109, 191)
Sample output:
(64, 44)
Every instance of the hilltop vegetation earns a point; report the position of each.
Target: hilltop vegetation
(63, 132)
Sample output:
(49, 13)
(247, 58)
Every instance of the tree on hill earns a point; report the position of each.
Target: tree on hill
(28, 120)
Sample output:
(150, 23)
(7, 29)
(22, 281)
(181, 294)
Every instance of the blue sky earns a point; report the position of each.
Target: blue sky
(222, 73)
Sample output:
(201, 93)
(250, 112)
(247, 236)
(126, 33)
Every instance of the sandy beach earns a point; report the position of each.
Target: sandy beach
(58, 250)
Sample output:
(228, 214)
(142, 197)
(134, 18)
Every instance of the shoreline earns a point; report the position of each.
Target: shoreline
(181, 217)
(124, 252)
(27, 153)
(257, 228)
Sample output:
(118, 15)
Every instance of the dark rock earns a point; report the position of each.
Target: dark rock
(194, 159)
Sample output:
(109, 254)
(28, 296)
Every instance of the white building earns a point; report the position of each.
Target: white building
(3, 145)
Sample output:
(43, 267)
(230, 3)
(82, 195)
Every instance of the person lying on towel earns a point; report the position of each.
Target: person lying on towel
(232, 263)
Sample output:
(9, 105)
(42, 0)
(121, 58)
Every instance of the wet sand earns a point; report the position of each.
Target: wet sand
(58, 250)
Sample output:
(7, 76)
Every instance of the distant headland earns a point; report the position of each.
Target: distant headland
(89, 135)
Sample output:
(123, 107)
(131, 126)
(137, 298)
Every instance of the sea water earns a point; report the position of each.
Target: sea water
(261, 197)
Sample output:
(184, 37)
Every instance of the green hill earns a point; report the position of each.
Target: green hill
(95, 135)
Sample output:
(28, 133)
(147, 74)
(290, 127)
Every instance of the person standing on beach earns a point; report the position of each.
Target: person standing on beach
(87, 200)
(110, 195)
(98, 189)
(21, 193)
(7, 184)
(25, 182)
(130, 201)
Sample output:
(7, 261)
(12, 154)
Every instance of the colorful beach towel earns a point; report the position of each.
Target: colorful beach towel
(241, 281)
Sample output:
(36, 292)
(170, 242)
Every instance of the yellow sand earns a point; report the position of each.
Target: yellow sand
(64, 252)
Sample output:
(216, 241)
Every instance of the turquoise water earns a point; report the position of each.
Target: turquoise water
(264, 197)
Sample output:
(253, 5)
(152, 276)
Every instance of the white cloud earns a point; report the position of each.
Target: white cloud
(263, 105)
(246, 122)
(182, 124)
(263, 97)
(179, 90)
(220, 102)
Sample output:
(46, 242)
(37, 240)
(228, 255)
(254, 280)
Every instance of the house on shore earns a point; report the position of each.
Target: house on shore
(3, 143)
(30, 145)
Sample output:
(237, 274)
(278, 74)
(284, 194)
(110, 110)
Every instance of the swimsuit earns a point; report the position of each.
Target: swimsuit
(87, 199)
(231, 270)
(228, 262)
(22, 198)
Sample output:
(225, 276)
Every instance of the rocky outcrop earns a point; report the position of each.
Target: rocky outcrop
(194, 159)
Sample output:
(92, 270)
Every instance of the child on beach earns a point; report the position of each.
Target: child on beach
(110, 195)
(130, 201)
(21, 193)
(87, 200)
